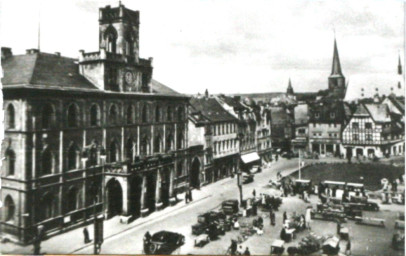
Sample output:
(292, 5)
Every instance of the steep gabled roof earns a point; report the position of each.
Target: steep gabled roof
(211, 109)
(361, 111)
(378, 112)
(336, 67)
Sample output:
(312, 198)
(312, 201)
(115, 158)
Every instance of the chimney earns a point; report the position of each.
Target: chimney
(6, 53)
(58, 54)
(376, 98)
(32, 51)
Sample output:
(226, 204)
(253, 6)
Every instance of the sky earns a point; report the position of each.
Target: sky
(231, 46)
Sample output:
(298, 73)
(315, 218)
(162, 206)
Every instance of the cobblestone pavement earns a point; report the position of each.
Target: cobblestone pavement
(127, 238)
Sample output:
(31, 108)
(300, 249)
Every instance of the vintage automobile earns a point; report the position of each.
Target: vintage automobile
(165, 242)
(230, 207)
(300, 185)
(247, 178)
(211, 223)
(256, 169)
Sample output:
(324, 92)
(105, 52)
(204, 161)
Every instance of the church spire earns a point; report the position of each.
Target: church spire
(336, 68)
(290, 88)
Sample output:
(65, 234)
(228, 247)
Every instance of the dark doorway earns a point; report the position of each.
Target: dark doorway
(114, 198)
(151, 187)
(360, 152)
(194, 173)
(166, 176)
(316, 148)
(135, 196)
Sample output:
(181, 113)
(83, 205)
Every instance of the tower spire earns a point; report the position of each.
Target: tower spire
(336, 68)
(39, 28)
(290, 88)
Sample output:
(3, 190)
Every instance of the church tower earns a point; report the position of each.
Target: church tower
(400, 76)
(289, 91)
(336, 80)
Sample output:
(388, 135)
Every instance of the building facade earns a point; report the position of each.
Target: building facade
(374, 132)
(94, 134)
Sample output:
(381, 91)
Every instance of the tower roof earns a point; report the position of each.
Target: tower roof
(290, 88)
(336, 68)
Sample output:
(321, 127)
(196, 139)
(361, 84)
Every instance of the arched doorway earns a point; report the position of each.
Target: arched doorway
(151, 187)
(114, 194)
(360, 152)
(135, 195)
(194, 173)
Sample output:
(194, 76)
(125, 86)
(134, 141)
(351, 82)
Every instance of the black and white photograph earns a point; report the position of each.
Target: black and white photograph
(202, 127)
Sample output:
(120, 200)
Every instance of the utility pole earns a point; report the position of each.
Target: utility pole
(300, 165)
(239, 184)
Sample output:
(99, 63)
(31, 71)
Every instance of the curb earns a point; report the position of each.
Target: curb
(141, 223)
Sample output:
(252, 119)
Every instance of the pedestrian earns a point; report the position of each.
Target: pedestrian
(348, 247)
(186, 196)
(37, 245)
(308, 217)
(254, 193)
(190, 195)
(338, 227)
(247, 252)
(86, 235)
(240, 250)
(285, 217)
(233, 247)
(254, 209)
(147, 242)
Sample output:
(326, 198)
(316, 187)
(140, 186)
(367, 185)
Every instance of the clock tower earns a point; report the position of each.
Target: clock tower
(117, 66)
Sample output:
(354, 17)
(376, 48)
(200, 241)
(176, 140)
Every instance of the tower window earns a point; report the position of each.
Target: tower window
(114, 154)
(157, 144)
(129, 150)
(10, 117)
(9, 208)
(111, 39)
(11, 159)
(73, 155)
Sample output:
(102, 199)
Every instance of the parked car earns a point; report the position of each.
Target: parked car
(289, 154)
(247, 178)
(165, 242)
(230, 207)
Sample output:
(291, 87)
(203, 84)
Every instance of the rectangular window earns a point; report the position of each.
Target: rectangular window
(368, 125)
(355, 125)
(368, 137)
(355, 137)
(317, 115)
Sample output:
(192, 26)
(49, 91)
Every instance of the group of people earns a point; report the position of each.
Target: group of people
(238, 250)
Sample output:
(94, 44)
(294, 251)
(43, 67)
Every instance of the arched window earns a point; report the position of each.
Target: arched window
(73, 155)
(180, 114)
(113, 114)
(169, 142)
(129, 149)
(9, 208)
(47, 116)
(128, 43)
(179, 140)
(47, 206)
(11, 161)
(169, 114)
(111, 39)
(179, 169)
(93, 154)
(113, 152)
(73, 116)
(157, 114)
(46, 162)
(144, 117)
(93, 193)
(94, 115)
(71, 199)
(157, 144)
(10, 117)
(130, 114)
(145, 146)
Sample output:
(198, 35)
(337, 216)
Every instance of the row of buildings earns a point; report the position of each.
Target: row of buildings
(98, 134)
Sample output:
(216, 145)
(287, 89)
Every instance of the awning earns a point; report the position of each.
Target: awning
(251, 157)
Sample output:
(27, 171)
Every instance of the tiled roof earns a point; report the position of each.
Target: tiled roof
(43, 70)
(328, 111)
(233, 102)
(361, 111)
(211, 109)
(378, 112)
(399, 102)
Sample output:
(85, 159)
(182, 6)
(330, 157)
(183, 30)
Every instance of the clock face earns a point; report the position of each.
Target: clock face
(129, 77)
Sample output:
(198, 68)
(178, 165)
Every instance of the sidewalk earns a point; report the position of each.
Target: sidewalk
(72, 241)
